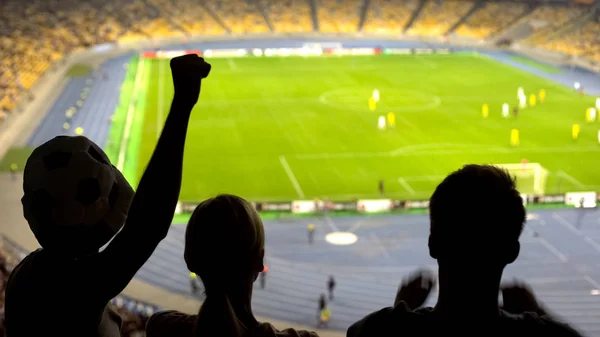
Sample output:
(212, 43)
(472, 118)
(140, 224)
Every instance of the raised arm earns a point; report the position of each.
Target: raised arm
(153, 206)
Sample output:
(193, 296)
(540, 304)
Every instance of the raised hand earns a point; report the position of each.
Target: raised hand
(519, 298)
(415, 289)
(188, 72)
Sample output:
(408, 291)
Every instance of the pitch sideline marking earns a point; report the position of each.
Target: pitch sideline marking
(437, 149)
(130, 114)
(562, 257)
(569, 178)
(378, 242)
(591, 281)
(161, 99)
(435, 101)
(231, 64)
(291, 176)
(406, 185)
(576, 231)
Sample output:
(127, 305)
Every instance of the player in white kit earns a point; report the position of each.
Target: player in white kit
(505, 110)
(598, 103)
(376, 95)
(522, 98)
(381, 123)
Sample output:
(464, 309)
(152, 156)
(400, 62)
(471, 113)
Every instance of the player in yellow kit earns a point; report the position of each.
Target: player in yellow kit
(542, 95)
(485, 110)
(532, 100)
(575, 131)
(372, 104)
(391, 119)
(514, 137)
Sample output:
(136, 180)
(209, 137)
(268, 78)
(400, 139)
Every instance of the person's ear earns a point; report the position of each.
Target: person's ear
(513, 252)
(433, 247)
(260, 265)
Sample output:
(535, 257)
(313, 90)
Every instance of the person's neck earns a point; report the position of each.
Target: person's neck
(468, 290)
(241, 301)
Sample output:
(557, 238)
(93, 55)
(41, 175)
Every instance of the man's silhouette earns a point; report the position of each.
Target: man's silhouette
(476, 218)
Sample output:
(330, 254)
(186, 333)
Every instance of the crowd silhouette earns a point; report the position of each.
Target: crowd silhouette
(472, 243)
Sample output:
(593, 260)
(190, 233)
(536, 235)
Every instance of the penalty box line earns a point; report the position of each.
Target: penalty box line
(291, 176)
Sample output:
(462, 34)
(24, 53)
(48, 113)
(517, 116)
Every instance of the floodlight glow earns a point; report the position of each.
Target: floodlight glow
(341, 238)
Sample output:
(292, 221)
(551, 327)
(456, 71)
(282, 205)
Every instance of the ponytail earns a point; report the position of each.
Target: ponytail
(217, 318)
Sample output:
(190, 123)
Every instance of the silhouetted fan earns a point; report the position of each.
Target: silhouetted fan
(57, 160)
(73, 193)
(113, 195)
(42, 204)
(96, 155)
(88, 191)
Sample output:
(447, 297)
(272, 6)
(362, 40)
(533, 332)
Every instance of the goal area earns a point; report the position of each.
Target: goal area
(530, 177)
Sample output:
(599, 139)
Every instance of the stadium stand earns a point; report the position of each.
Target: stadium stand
(147, 21)
(546, 19)
(437, 18)
(491, 18)
(289, 15)
(29, 47)
(389, 16)
(339, 15)
(239, 16)
(188, 17)
(585, 42)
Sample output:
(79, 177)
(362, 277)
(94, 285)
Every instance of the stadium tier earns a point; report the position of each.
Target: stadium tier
(437, 18)
(389, 16)
(289, 16)
(66, 27)
(490, 18)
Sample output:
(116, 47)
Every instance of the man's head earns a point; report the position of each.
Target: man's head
(477, 216)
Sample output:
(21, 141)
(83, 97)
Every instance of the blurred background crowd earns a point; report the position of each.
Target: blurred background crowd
(55, 28)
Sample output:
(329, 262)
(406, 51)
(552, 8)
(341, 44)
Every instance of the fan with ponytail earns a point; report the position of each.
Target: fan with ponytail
(225, 248)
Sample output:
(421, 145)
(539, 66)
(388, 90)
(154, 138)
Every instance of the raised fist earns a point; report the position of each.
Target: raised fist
(415, 289)
(188, 72)
(519, 298)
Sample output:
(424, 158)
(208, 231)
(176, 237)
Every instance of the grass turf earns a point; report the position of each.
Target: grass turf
(299, 128)
(16, 156)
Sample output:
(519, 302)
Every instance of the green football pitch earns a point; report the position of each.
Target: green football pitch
(300, 128)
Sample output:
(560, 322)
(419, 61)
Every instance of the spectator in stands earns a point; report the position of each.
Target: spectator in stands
(56, 291)
(224, 246)
(477, 216)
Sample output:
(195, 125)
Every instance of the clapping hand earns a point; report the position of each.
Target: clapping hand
(519, 298)
(415, 289)
(188, 72)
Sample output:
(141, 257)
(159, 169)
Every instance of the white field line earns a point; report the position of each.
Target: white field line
(161, 99)
(593, 282)
(576, 231)
(553, 250)
(406, 185)
(380, 245)
(432, 150)
(130, 114)
(291, 175)
(569, 178)
(331, 224)
(232, 65)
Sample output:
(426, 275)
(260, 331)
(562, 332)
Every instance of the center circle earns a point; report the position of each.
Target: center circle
(341, 238)
(390, 99)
